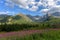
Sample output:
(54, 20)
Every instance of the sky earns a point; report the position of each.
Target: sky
(33, 7)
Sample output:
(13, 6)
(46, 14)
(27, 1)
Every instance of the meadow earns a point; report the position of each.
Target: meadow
(47, 35)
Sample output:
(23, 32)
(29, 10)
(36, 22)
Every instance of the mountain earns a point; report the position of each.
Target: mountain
(56, 14)
(4, 18)
(19, 18)
(54, 20)
(37, 18)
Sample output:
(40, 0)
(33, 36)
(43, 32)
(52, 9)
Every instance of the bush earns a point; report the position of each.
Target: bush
(16, 27)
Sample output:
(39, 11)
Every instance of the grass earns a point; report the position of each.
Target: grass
(50, 35)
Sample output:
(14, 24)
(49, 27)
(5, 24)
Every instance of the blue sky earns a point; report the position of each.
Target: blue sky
(33, 7)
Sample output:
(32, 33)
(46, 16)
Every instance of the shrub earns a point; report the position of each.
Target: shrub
(16, 27)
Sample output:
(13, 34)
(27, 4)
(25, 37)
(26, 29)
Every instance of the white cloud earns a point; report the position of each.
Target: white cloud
(51, 10)
(25, 4)
(4, 12)
(39, 3)
(44, 10)
(51, 6)
(48, 4)
(7, 12)
(55, 9)
(34, 8)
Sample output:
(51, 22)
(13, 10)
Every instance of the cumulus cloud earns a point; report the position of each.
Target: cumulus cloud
(4, 12)
(32, 5)
(44, 11)
(34, 8)
(52, 6)
(48, 3)
(51, 10)
(7, 12)
(25, 4)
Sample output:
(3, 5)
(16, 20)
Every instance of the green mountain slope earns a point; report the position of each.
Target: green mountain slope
(20, 18)
(52, 19)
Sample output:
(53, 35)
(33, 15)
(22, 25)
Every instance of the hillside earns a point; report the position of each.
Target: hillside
(54, 19)
(21, 18)
(4, 18)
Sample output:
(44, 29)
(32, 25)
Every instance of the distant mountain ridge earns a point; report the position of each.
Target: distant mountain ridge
(21, 18)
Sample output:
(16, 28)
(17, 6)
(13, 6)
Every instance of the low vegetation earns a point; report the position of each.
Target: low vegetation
(49, 35)
(16, 27)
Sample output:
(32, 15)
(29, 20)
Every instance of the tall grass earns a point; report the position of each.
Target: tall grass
(50, 35)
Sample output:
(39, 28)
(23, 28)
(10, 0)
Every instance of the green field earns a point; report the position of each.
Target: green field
(21, 22)
(50, 35)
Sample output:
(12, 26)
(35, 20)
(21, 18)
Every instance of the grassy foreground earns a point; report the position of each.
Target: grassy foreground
(50, 35)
